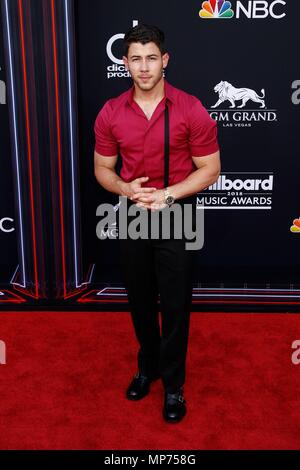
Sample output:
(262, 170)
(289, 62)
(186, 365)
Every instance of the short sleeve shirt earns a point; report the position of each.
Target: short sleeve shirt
(122, 128)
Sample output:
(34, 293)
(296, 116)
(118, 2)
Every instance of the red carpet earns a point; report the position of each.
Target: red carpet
(64, 381)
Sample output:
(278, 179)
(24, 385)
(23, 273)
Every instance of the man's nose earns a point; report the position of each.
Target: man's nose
(144, 64)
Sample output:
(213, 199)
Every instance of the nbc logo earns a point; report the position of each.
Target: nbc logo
(295, 228)
(257, 9)
(216, 9)
(5, 225)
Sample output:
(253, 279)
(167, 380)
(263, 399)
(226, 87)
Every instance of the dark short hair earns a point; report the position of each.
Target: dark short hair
(144, 33)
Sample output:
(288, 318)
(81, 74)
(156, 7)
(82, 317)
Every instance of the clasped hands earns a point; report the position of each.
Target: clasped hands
(146, 198)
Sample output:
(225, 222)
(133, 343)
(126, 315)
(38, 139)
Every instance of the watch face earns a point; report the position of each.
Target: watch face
(169, 200)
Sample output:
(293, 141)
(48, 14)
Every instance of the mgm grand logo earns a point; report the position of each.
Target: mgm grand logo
(240, 107)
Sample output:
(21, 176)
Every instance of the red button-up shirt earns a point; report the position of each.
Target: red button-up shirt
(122, 128)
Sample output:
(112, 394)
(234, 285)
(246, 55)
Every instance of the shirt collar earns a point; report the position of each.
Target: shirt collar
(169, 94)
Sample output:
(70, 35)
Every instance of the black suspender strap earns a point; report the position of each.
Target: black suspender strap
(167, 147)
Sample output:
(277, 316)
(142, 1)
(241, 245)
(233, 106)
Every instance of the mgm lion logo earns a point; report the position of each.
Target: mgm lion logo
(229, 92)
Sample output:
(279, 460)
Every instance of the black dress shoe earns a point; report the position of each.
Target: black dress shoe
(174, 407)
(139, 387)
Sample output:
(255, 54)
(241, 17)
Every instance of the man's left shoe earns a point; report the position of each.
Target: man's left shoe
(174, 407)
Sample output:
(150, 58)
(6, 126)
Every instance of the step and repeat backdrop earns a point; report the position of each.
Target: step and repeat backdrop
(240, 59)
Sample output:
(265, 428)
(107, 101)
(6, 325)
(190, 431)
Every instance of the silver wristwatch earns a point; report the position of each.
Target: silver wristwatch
(169, 200)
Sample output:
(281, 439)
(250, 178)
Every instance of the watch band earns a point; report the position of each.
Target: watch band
(169, 199)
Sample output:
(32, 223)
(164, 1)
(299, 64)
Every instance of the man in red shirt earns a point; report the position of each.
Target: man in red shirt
(169, 150)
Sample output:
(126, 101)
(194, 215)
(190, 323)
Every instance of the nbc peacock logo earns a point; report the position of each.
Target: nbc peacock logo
(295, 228)
(213, 9)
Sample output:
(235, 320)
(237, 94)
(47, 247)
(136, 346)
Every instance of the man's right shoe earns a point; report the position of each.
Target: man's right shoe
(139, 387)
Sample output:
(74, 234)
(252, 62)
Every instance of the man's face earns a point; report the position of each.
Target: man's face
(145, 64)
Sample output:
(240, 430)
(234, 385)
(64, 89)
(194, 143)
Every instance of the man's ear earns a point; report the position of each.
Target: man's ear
(165, 59)
(125, 60)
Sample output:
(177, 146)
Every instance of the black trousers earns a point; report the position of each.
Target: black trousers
(159, 267)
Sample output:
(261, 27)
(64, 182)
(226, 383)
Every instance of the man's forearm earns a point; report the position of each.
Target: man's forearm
(111, 181)
(194, 183)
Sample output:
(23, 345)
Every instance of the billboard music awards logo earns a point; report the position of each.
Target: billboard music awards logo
(238, 98)
(116, 69)
(221, 9)
(242, 190)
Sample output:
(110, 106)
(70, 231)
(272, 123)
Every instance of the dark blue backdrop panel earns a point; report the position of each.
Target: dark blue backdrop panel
(247, 226)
